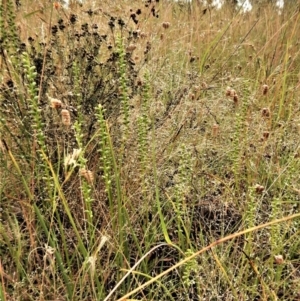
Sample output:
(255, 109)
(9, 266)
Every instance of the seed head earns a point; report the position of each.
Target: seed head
(87, 174)
(233, 93)
(139, 82)
(235, 98)
(215, 129)
(130, 47)
(55, 103)
(259, 188)
(265, 112)
(266, 135)
(192, 58)
(56, 5)
(166, 25)
(278, 259)
(143, 35)
(265, 89)
(66, 117)
(230, 92)
(191, 96)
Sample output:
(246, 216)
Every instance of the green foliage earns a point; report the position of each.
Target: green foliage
(124, 97)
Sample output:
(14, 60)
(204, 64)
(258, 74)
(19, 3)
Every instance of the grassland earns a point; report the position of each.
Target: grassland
(149, 151)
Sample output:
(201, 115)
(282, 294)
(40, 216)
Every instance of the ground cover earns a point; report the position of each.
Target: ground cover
(149, 151)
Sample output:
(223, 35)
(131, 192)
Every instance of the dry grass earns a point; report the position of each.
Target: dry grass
(195, 139)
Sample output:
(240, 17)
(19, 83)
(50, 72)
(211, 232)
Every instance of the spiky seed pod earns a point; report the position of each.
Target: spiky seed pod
(87, 174)
(265, 89)
(66, 117)
(265, 112)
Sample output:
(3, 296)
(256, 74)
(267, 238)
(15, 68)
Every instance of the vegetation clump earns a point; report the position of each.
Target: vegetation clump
(149, 150)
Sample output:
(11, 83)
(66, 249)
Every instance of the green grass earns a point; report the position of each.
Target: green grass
(149, 152)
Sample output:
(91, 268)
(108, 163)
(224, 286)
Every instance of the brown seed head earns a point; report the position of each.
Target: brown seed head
(54, 103)
(278, 259)
(143, 35)
(266, 135)
(265, 112)
(265, 89)
(235, 98)
(191, 96)
(166, 25)
(56, 5)
(66, 117)
(259, 188)
(87, 174)
(233, 93)
(228, 91)
(130, 48)
(139, 82)
(215, 129)
(192, 59)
